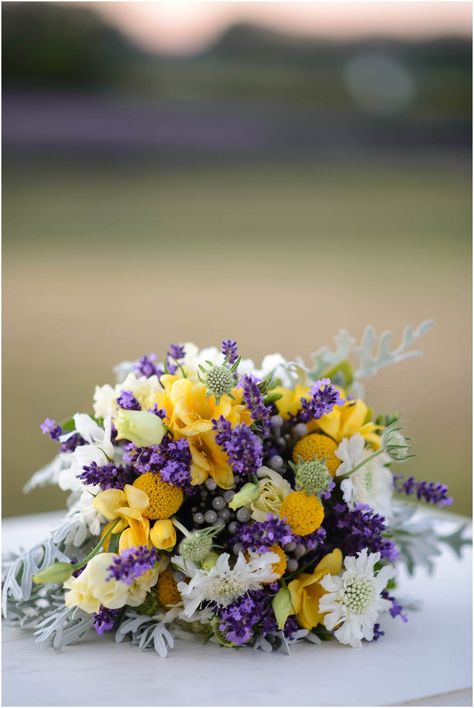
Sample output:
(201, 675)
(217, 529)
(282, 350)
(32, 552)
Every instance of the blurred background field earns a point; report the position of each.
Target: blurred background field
(268, 186)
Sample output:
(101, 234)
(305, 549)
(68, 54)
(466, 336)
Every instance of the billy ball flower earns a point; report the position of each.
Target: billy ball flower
(303, 513)
(196, 546)
(164, 499)
(320, 447)
(218, 379)
(167, 592)
(313, 478)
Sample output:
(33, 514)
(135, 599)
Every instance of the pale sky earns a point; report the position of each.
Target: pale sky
(182, 26)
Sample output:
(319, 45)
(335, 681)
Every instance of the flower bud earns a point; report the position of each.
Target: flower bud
(248, 494)
(56, 573)
(209, 561)
(140, 427)
(163, 535)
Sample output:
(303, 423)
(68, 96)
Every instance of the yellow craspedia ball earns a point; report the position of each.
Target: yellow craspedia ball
(280, 567)
(164, 499)
(303, 513)
(167, 590)
(320, 447)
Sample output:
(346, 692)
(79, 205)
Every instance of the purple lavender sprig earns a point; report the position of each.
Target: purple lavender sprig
(351, 531)
(132, 563)
(108, 476)
(105, 619)
(324, 396)
(260, 536)
(128, 402)
(146, 366)
(253, 399)
(229, 350)
(430, 492)
(51, 428)
(171, 459)
(244, 449)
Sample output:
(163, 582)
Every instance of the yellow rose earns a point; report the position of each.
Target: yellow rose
(273, 489)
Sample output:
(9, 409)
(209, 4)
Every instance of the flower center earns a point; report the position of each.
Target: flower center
(219, 381)
(358, 594)
(225, 588)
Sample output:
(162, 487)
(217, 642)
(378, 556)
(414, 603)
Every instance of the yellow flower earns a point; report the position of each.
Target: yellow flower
(164, 499)
(279, 567)
(163, 535)
(303, 513)
(319, 447)
(167, 589)
(140, 587)
(189, 413)
(92, 589)
(290, 401)
(344, 421)
(306, 590)
(128, 506)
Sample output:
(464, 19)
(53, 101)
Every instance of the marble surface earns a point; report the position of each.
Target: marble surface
(425, 662)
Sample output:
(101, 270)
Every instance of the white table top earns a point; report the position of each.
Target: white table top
(424, 662)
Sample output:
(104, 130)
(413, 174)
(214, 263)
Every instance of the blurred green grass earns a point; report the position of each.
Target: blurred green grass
(104, 263)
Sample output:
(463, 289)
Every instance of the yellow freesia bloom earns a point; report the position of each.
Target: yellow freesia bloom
(163, 534)
(344, 421)
(128, 506)
(306, 590)
(290, 401)
(189, 413)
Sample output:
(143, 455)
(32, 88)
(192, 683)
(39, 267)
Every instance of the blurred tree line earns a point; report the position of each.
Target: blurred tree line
(68, 46)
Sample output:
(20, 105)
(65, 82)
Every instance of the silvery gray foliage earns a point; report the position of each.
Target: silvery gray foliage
(373, 353)
(276, 641)
(63, 626)
(47, 474)
(18, 581)
(146, 632)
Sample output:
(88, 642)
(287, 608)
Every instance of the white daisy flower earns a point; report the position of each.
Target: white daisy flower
(353, 600)
(371, 483)
(223, 584)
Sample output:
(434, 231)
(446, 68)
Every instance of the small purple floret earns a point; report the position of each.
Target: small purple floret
(259, 536)
(128, 402)
(431, 492)
(105, 619)
(229, 350)
(176, 352)
(51, 428)
(171, 459)
(244, 449)
(253, 399)
(146, 366)
(108, 476)
(324, 396)
(132, 563)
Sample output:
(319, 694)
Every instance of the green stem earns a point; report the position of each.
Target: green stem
(180, 526)
(96, 549)
(364, 462)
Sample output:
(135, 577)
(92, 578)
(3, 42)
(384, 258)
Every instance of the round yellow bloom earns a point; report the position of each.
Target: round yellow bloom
(306, 590)
(164, 499)
(303, 513)
(167, 590)
(280, 567)
(318, 447)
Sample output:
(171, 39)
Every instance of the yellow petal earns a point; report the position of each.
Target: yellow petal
(331, 564)
(163, 534)
(196, 428)
(223, 476)
(136, 498)
(108, 501)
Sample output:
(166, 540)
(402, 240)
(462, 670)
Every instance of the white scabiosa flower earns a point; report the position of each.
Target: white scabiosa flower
(223, 584)
(194, 358)
(371, 482)
(353, 600)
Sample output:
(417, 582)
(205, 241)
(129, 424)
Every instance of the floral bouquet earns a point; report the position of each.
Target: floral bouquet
(252, 506)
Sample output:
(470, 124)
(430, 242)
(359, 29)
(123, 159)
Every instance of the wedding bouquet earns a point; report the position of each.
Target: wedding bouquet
(252, 506)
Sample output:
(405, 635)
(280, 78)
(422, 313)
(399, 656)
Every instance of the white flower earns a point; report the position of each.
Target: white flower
(87, 512)
(353, 601)
(281, 368)
(138, 590)
(92, 589)
(273, 488)
(98, 449)
(372, 484)
(105, 401)
(144, 389)
(223, 584)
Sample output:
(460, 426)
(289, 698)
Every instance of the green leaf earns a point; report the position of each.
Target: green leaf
(68, 425)
(282, 606)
